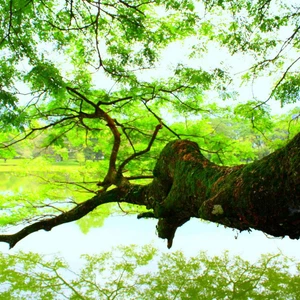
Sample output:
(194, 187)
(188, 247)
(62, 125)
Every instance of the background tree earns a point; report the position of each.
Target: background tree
(7, 153)
(94, 69)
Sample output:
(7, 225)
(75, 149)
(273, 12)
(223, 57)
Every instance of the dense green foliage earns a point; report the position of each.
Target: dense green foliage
(112, 54)
(121, 78)
(131, 273)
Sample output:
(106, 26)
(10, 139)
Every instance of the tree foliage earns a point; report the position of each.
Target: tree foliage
(77, 71)
(131, 273)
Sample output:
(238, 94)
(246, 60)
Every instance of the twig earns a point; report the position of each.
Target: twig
(133, 156)
(160, 120)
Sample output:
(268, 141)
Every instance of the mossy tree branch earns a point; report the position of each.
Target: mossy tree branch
(263, 195)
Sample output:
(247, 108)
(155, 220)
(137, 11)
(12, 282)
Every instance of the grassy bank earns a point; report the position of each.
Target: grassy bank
(15, 165)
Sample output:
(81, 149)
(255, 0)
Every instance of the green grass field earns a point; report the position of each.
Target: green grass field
(13, 165)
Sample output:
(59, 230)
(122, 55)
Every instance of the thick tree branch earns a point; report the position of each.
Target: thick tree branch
(263, 195)
(74, 214)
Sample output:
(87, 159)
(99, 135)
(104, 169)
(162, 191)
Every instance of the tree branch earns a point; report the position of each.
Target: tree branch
(278, 83)
(134, 155)
(82, 209)
(160, 119)
(264, 195)
(13, 142)
(110, 177)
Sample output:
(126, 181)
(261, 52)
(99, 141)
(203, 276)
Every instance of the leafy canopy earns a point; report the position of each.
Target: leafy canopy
(59, 61)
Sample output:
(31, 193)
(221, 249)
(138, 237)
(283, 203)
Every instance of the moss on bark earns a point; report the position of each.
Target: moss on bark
(264, 195)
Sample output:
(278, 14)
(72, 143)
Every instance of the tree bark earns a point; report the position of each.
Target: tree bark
(263, 195)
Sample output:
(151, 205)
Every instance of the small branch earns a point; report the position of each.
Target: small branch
(101, 114)
(97, 37)
(283, 77)
(58, 182)
(133, 195)
(140, 177)
(126, 134)
(13, 142)
(290, 122)
(160, 120)
(7, 36)
(135, 7)
(133, 156)
(277, 84)
(119, 205)
(74, 91)
(114, 101)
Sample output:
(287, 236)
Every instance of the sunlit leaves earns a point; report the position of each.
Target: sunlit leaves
(10, 115)
(119, 38)
(257, 114)
(194, 77)
(289, 90)
(45, 76)
(266, 30)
